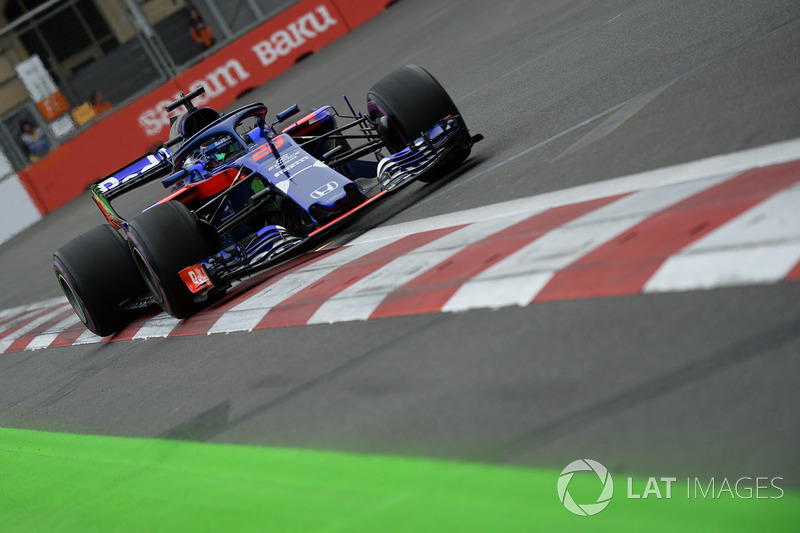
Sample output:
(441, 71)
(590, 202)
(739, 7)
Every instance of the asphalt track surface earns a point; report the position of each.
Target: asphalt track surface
(566, 93)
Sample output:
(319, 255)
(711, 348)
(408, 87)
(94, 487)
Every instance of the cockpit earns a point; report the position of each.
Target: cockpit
(215, 151)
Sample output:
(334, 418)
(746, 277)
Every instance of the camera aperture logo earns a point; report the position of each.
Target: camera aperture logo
(585, 509)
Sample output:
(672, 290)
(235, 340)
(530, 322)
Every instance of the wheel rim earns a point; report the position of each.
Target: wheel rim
(149, 276)
(73, 299)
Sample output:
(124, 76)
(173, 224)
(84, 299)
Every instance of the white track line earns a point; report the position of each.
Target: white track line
(9, 339)
(517, 279)
(30, 307)
(45, 339)
(759, 246)
(22, 317)
(87, 337)
(160, 325)
(359, 300)
(720, 165)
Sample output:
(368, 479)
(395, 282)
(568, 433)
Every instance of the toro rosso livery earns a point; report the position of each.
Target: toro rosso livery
(244, 196)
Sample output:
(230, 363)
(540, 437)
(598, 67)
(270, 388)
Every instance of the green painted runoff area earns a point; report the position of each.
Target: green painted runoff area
(66, 482)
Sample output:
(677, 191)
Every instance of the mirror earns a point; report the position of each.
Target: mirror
(288, 112)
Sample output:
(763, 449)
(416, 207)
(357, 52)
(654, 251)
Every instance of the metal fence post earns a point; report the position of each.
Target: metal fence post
(149, 40)
(211, 5)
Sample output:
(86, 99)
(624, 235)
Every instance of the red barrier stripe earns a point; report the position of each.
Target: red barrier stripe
(299, 308)
(623, 265)
(356, 12)
(32, 192)
(428, 292)
(794, 273)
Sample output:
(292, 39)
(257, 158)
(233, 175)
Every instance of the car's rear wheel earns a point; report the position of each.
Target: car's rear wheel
(97, 273)
(164, 240)
(408, 102)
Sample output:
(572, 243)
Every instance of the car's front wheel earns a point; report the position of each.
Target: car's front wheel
(406, 103)
(164, 240)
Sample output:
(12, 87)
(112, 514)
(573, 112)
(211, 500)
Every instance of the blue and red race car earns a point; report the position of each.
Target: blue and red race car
(244, 197)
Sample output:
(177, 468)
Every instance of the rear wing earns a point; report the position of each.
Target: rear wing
(151, 167)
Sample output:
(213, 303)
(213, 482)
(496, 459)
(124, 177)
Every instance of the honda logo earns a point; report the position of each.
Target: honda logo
(324, 190)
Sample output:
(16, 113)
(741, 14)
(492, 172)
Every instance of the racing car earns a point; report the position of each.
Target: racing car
(244, 195)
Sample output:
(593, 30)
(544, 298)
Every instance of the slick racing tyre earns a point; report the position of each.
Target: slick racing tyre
(97, 273)
(164, 240)
(408, 102)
